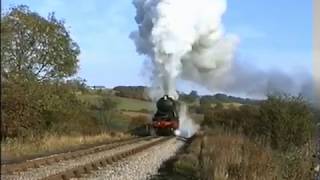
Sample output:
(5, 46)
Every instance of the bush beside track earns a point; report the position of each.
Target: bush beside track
(232, 148)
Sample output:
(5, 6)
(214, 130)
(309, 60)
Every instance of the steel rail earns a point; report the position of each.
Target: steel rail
(49, 160)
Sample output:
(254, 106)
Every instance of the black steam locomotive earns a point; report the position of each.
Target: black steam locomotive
(166, 120)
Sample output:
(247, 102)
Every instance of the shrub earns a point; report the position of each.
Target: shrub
(138, 125)
(138, 121)
(32, 107)
(20, 107)
(283, 121)
(286, 120)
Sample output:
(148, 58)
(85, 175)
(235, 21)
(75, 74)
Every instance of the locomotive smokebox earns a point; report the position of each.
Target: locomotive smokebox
(165, 104)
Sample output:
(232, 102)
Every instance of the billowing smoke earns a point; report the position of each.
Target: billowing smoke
(179, 35)
(247, 80)
(185, 39)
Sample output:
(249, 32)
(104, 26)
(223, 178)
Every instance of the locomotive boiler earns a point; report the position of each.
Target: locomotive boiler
(166, 119)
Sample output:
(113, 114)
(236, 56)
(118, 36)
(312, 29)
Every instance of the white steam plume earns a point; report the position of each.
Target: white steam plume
(186, 125)
(178, 35)
(185, 39)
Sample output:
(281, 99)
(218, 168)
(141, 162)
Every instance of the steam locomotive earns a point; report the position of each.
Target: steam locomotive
(166, 119)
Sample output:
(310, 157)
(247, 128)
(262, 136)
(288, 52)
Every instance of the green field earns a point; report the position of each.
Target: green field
(132, 104)
(90, 98)
(125, 104)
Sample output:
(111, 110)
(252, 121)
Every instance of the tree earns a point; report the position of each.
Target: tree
(78, 83)
(194, 94)
(34, 47)
(189, 98)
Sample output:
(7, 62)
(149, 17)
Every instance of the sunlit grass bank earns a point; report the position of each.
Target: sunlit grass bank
(226, 156)
(17, 147)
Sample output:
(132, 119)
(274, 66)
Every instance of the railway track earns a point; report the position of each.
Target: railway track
(74, 164)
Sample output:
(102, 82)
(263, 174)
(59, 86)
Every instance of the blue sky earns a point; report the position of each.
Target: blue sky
(273, 35)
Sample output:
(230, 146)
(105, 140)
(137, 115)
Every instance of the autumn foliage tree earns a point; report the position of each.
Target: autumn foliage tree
(37, 54)
(35, 47)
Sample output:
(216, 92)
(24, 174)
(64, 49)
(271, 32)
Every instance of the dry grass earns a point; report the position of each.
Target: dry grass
(228, 105)
(14, 148)
(234, 157)
(225, 156)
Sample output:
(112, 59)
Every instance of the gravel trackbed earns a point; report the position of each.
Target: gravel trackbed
(141, 166)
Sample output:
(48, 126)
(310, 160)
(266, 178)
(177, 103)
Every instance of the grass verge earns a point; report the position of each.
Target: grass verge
(13, 148)
(224, 156)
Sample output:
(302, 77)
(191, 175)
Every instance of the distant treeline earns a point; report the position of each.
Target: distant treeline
(222, 98)
(135, 92)
(140, 92)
